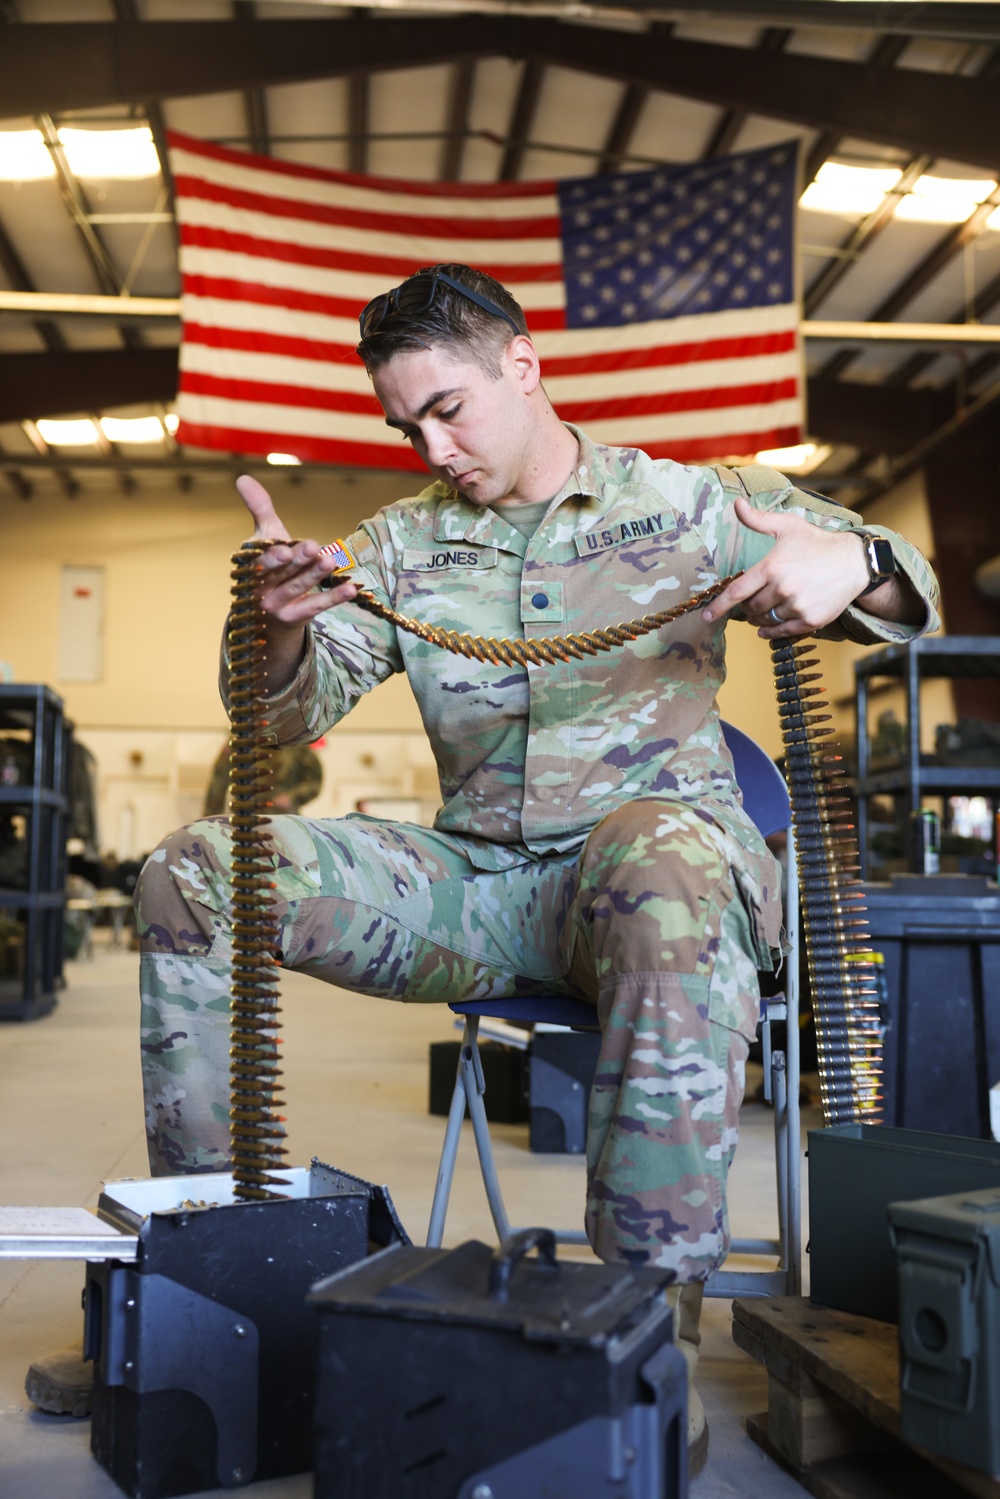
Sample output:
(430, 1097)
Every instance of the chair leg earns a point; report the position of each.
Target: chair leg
(470, 1087)
(446, 1170)
(779, 1088)
(471, 1067)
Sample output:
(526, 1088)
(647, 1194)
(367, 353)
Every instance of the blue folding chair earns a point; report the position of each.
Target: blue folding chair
(765, 798)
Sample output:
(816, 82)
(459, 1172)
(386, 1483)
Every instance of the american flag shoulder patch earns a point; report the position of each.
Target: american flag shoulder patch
(339, 553)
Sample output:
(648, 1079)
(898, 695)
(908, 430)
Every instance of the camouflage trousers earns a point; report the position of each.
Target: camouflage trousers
(647, 922)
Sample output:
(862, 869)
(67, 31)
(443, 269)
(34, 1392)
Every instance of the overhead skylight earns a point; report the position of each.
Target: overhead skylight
(283, 459)
(132, 428)
(849, 190)
(24, 156)
(78, 432)
(111, 153)
(944, 200)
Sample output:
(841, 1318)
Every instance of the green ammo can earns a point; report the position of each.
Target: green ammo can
(948, 1255)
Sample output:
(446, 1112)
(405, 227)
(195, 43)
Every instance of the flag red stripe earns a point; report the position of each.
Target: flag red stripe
(227, 290)
(687, 353)
(730, 445)
(375, 455)
(579, 364)
(486, 190)
(663, 402)
(201, 237)
(309, 449)
(269, 206)
(252, 342)
(276, 393)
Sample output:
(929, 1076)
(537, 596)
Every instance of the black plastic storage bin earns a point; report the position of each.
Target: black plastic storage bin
(505, 1072)
(451, 1373)
(940, 939)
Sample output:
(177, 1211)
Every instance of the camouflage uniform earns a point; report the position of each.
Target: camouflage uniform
(591, 839)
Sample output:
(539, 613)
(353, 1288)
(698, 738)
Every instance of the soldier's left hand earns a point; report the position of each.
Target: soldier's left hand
(808, 578)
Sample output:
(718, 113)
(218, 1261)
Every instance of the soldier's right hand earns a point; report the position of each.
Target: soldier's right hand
(293, 570)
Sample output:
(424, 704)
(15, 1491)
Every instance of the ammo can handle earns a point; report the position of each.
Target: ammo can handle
(514, 1248)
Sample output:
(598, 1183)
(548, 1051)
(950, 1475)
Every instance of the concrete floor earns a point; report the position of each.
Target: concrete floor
(356, 1075)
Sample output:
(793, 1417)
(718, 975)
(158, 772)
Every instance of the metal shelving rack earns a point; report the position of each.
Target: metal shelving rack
(912, 779)
(35, 811)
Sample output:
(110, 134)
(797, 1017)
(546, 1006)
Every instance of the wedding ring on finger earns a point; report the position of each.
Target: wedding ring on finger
(775, 616)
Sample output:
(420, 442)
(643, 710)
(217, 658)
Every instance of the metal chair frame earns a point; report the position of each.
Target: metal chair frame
(766, 800)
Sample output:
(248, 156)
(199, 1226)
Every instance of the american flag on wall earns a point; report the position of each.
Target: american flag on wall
(662, 302)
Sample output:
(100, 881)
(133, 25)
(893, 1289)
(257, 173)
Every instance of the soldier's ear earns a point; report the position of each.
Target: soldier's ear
(522, 357)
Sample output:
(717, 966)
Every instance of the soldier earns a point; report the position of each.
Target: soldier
(591, 838)
(296, 778)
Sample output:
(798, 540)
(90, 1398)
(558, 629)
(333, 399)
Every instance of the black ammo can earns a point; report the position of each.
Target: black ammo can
(560, 1076)
(204, 1349)
(457, 1374)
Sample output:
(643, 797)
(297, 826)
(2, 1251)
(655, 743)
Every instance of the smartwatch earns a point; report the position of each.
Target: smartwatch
(879, 559)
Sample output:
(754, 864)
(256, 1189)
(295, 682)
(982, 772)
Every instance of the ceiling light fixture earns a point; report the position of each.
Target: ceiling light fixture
(839, 188)
(79, 432)
(132, 428)
(944, 200)
(111, 153)
(24, 156)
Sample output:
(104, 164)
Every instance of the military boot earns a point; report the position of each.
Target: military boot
(685, 1302)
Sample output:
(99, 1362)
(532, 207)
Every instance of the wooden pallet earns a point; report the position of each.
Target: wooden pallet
(833, 1405)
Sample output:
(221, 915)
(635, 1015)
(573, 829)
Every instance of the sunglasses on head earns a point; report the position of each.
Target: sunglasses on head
(414, 296)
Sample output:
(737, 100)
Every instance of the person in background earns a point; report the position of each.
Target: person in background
(297, 778)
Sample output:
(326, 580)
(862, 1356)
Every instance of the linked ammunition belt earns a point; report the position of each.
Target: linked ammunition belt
(833, 918)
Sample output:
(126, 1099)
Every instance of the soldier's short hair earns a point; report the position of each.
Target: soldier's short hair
(451, 320)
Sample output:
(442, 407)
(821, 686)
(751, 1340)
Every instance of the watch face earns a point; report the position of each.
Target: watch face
(881, 562)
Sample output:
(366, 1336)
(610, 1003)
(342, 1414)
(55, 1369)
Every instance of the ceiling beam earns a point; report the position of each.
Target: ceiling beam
(254, 99)
(79, 65)
(623, 126)
(883, 55)
(862, 236)
(358, 119)
(521, 119)
(626, 119)
(774, 39)
(459, 101)
(922, 274)
(71, 381)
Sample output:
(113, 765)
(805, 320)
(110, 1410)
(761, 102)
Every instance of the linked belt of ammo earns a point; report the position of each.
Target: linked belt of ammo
(834, 925)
